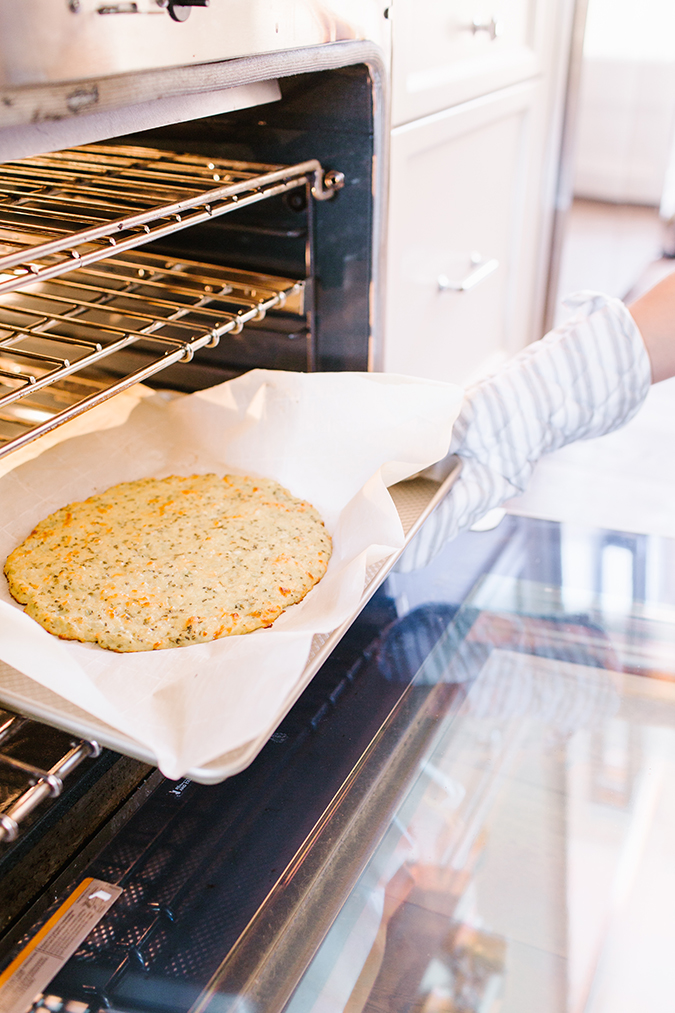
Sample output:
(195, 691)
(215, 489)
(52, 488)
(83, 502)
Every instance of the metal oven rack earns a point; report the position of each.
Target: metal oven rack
(72, 293)
(78, 206)
(56, 335)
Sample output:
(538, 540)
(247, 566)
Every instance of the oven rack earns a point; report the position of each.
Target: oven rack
(75, 207)
(41, 784)
(58, 337)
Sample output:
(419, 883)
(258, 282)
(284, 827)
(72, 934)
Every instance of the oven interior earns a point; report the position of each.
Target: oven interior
(134, 245)
(317, 253)
(327, 116)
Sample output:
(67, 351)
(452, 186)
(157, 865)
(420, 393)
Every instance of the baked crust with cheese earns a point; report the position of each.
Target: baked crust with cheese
(160, 563)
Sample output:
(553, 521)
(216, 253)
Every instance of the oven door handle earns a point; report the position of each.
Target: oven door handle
(481, 270)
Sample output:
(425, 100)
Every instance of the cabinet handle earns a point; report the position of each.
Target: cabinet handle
(492, 27)
(482, 269)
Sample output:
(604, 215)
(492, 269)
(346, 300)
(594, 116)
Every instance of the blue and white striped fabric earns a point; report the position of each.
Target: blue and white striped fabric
(582, 380)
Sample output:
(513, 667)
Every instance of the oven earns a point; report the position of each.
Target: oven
(187, 192)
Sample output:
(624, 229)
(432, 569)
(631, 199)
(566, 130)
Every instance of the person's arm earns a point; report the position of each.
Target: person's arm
(584, 379)
(654, 314)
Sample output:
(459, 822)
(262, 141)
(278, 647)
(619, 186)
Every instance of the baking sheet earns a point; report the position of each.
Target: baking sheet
(414, 501)
(335, 439)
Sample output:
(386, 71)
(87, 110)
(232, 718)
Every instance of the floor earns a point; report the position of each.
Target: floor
(607, 247)
(626, 480)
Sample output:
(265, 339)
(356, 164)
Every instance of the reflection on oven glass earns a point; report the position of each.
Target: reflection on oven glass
(528, 869)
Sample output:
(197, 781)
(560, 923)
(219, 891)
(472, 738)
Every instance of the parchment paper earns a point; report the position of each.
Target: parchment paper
(335, 439)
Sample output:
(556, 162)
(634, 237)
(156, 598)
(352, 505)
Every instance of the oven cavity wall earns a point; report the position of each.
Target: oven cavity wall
(329, 244)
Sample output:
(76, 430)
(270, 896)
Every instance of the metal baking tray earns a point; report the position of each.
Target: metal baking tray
(415, 499)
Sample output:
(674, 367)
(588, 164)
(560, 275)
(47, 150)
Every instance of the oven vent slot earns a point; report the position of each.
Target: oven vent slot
(61, 340)
(75, 207)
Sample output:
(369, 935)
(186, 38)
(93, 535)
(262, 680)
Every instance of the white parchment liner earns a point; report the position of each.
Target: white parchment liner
(335, 439)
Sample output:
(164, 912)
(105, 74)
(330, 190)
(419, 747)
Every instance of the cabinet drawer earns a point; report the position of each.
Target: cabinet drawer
(463, 184)
(449, 51)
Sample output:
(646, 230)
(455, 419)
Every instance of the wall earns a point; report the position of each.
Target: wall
(627, 101)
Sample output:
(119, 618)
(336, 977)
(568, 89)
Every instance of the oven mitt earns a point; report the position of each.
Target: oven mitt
(582, 380)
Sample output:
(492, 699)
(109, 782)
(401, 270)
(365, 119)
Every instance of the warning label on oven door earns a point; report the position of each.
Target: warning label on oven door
(44, 956)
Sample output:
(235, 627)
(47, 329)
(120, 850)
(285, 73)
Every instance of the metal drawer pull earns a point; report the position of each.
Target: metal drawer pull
(478, 273)
(492, 27)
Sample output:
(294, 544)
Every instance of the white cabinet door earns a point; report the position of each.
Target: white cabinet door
(464, 186)
(448, 51)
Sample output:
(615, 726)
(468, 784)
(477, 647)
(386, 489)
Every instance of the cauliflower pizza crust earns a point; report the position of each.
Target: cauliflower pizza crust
(167, 562)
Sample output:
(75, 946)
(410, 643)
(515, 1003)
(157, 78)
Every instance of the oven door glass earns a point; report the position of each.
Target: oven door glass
(470, 809)
(528, 868)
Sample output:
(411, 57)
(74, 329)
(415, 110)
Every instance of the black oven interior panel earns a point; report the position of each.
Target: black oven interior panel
(329, 116)
(270, 236)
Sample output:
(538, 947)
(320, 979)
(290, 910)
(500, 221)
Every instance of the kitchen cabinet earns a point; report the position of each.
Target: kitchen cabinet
(447, 53)
(459, 215)
(478, 96)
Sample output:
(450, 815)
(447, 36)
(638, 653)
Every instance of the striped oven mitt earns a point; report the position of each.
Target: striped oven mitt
(582, 380)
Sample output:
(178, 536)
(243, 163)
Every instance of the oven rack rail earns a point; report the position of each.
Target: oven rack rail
(41, 784)
(72, 208)
(59, 338)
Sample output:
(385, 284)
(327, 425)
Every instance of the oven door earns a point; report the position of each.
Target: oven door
(443, 820)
